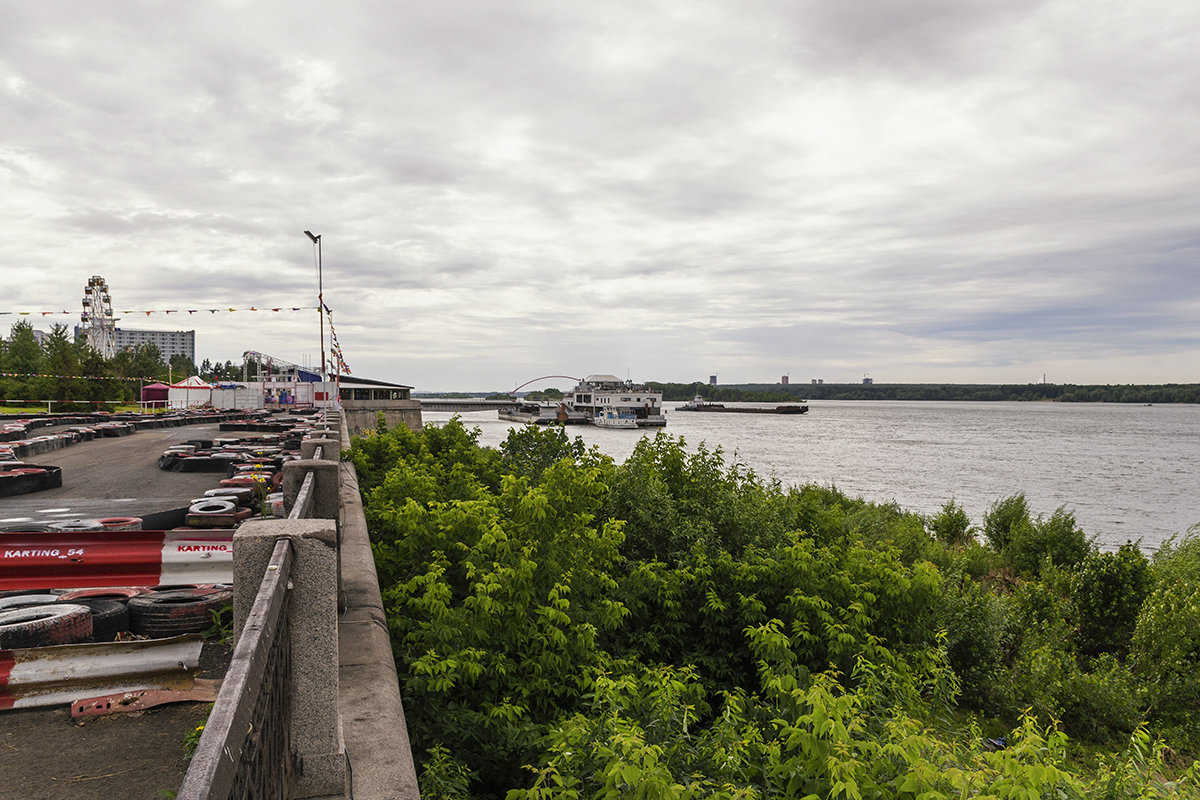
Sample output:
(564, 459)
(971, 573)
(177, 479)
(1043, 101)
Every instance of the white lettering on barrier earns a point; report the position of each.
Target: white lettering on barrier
(33, 554)
(191, 558)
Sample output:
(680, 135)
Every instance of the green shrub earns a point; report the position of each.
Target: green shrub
(1165, 654)
(1056, 539)
(975, 623)
(1108, 592)
(1003, 519)
(952, 525)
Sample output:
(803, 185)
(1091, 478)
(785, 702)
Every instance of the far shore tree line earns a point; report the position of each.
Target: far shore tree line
(1057, 392)
(972, 392)
(35, 372)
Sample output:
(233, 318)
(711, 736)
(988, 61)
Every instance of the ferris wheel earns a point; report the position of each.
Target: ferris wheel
(98, 323)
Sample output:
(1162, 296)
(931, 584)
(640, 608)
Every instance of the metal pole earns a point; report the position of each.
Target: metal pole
(316, 239)
(321, 303)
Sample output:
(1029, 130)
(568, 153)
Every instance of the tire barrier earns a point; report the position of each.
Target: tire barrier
(170, 613)
(109, 616)
(39, 626)
(118, 558)
(213, 505)
(77, 525)
(17, 478)
(27, 600)
(239, 495)
(121, 523)
(119, 593)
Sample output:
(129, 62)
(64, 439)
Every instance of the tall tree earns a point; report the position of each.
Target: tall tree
(61, 359)
(23, 356)
(24, 352)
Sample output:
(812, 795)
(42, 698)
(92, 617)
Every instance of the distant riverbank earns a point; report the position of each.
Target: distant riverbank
(1031, 392)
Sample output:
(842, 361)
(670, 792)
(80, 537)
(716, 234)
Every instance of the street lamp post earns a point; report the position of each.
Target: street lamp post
(316, 239)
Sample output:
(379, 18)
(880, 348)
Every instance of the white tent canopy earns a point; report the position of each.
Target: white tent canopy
(189, 393)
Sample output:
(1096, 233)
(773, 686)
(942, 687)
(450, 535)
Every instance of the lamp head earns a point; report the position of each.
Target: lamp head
(310, 235)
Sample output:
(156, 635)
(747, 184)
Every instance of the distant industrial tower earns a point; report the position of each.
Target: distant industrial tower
(97, 317)
(783, 379)
(712, 380)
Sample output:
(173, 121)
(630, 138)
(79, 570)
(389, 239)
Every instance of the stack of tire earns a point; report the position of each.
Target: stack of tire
(39, 619)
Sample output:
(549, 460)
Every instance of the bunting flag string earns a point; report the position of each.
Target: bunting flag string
(335, 348)
(165, 311)
(79, 377)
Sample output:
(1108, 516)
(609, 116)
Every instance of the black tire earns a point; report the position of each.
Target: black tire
(78, 526)
(213, 505)
(170, 613)
(109, 617)
(40, 626)
(27, 600)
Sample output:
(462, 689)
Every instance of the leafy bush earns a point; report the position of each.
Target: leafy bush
(975, 621)
(1166, 657)
(1056, 539)
(1004, 519)
(1109, 589)
(1026, 543)
(952, 525)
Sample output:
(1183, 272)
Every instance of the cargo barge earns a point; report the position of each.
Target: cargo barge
(698, 404)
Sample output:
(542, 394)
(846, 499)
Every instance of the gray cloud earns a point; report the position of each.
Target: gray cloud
(918, 189)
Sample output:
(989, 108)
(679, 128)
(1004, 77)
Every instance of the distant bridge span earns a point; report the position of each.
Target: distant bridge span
(462, 404)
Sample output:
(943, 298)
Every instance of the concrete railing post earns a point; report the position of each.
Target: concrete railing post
(316, 730)
(329, 447)
(326, 498)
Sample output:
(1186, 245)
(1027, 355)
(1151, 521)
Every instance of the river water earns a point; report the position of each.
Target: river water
(1126, 472)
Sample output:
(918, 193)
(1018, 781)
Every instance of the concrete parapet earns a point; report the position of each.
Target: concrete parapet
(330, 448)
(316, 729)
(373, 722)
(328, 430)
(325, 488)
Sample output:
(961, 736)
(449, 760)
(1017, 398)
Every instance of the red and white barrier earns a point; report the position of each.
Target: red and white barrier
(115, 558)
(57, 675)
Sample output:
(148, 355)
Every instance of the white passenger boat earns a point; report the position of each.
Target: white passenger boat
(609, 417)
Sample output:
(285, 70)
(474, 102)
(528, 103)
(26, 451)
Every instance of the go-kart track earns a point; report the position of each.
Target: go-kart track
(45, 752)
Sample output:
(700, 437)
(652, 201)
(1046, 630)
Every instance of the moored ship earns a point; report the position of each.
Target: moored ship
(606, 399)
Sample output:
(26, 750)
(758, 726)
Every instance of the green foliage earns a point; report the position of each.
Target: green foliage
(1179, 559)
(674, 627)
(1166, 656)
(975, 620)
(951, 525)
(444, 778)
(678, 504)
(1026, 544)
(1108, 594)
(222, 624)
(1028, 392)
(1056, 539)
(1004, 519)
(530, 451)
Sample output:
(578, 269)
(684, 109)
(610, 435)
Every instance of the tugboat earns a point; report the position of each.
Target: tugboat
(610, 417)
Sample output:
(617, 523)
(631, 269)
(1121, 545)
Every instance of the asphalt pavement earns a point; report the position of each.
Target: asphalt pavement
(113, 477)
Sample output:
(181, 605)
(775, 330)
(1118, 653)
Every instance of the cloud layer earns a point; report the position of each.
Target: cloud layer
(920, 190)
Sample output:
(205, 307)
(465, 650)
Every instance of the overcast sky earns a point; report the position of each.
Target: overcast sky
(915, 190)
